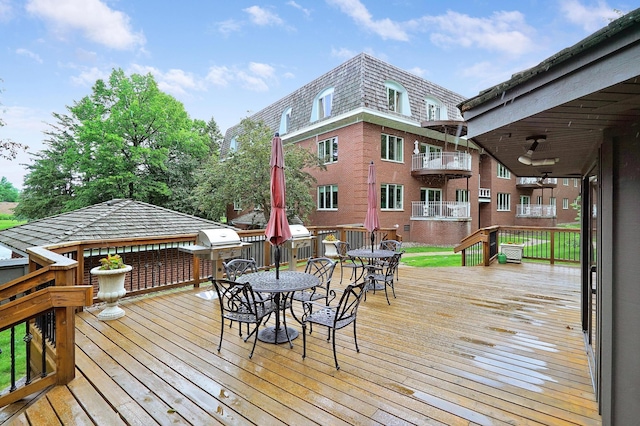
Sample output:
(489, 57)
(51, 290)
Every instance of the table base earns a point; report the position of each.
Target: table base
(269, 335)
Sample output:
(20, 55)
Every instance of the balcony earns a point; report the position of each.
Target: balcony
(460, 346)
(440, 210)
(534, 182)
(484, 195)
(453, 164)
(536, 210)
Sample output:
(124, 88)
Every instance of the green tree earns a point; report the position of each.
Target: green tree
(8, 148)
(129, 140)
(8, 192)
(244, 176)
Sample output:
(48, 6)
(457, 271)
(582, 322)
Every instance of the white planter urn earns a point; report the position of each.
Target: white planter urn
(330, 248)
(110, 290)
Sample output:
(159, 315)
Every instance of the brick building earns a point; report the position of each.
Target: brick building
(434, 185)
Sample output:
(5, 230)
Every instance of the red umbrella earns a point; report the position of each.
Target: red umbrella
(371, 221)
(278, 230)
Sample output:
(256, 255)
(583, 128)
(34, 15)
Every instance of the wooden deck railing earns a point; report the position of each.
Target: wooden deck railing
(44, 302)
(549, 244)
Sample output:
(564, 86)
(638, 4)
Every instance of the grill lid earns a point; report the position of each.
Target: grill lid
(218, 237)
(299, 231)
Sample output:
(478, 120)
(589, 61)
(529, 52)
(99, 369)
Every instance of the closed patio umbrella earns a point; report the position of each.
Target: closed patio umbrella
(371, 221)
(278, 230)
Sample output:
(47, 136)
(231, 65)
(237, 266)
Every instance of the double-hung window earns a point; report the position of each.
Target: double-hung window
(565, 204)
(504, 202)
(503, 172)
(322, 105)
(391, 197)
(397, 99)
(328, 150)
(328, 197)
(391, 148)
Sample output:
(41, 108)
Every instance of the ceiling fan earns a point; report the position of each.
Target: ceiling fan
(528, 161)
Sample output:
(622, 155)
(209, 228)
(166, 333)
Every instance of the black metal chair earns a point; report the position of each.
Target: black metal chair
(386, 275)
(347, 261)
(237, 267)
(392, 245)
(334, 317)
(321, 267)
(238, 302)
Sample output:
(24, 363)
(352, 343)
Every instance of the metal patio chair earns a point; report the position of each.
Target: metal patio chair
(321, 267)
(334, 317)
(347, 261)
(238, 302)
(385, 275)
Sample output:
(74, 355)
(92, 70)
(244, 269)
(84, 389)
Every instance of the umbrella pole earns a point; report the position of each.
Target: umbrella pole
(373, 237)
(277, 262)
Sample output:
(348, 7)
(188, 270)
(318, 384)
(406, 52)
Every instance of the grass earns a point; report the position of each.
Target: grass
(427, 249)
(433, 261)
(9, 223)
(5, 357)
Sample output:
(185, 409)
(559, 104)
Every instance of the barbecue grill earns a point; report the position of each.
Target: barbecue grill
(300, 238)
(217, 245)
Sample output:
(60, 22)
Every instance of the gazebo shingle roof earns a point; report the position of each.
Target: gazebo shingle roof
(118, 218)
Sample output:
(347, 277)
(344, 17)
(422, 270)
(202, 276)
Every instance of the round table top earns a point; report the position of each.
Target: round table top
(371, 254)
(266, 282)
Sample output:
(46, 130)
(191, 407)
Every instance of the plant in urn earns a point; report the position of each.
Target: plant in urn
(111, 274)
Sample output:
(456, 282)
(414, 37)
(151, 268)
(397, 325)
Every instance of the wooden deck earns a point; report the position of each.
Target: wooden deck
(459, 346)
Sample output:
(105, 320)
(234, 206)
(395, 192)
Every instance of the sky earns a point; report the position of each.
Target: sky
(229, 59)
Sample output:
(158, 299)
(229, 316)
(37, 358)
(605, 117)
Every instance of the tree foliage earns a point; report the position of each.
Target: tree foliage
(8, 148)
(8, 192)
(244, 176)
(126, 140)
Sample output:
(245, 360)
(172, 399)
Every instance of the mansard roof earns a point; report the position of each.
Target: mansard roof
(359, 85)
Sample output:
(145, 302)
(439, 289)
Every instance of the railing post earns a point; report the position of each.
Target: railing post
(553, 247)
(196, 271)
(486, 251)
(65, 332)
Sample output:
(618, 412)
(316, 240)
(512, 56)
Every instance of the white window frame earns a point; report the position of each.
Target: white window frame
(435, 109)
(331, 156)
(565, 204)
(552, 201)
(397, 98)
(504, 202)
(322, 105)
(503, 172)
(398, 145)
(333, 199)
(575, 182)
(394, 193)
(539, 200)
(285, 121)
(462, 195)
(237, 206)
(565, 182)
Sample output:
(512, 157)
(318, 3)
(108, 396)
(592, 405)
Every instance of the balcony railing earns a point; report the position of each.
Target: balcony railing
(484, 193)
(440, 209)
(441, 161)
(536, 181)
(536, 210)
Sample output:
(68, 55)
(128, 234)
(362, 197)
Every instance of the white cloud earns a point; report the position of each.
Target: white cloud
(175, 81)
(29, 54)
(289, 75)
(219, 76)
(505, 32)
(263, 17)
(252, 82)
(261, 70)
(229, 26)
(343, 53)
(88, 77)
(307, 12)
(6, 11)
(93, 18)
(385, 28)
(256, 77)
(589, 18)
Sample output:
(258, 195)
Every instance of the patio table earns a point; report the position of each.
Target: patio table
(371, 256)
(288, 283)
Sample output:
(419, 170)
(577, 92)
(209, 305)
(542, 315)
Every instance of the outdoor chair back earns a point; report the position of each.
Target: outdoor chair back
(346, 261)
(238, 302)
(385, 275)
(334, 317)
(236, 267)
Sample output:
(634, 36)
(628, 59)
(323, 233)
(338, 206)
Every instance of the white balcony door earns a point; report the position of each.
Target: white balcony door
(432, 155)
(432, 199)
(525, 205)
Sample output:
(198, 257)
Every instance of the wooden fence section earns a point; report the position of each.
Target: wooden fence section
(458, 346)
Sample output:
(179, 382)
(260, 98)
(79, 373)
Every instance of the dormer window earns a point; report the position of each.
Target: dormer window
(397, 98)
(322, 105)
(435, 110)
(233, 145)
(285, 121)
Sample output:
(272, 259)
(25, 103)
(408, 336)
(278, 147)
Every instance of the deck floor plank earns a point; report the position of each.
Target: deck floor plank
(458, 346)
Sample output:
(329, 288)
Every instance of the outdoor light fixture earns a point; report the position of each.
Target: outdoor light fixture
(528, 161)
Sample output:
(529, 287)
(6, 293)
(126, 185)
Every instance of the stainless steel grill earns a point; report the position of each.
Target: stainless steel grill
(300, 237)
(215, 244)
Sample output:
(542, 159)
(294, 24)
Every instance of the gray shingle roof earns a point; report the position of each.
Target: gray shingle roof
(120, 218)
(358, 83)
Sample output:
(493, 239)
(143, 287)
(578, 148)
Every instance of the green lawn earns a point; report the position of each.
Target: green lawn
(427, 249)
(5, 357)
(9, 223)
(433, 261)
